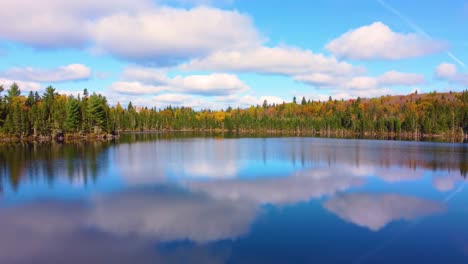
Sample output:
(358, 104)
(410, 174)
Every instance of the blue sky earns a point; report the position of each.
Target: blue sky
(203, 53)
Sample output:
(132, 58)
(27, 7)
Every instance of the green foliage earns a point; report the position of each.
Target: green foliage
(73, 115)
(415, 113)
(13, 92)
(98, 112)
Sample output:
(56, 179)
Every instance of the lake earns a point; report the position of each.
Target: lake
(185, 198)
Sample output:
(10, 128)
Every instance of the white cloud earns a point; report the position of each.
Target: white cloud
(277, 60)
(23, 86)
(151, 81)
(135, 88)
(140, 30)
(213, 84)
(56, 23)
(146, 75)
(448, 72)
(378, 41)
(165, 35)
(71, 72)
(353, 94)
(361, 83)
(390, 78)
(375, 211)
(401, 78)
(363, 86)
(248, 100)
(173, 99)
(69, 92)
(198, 2)
(162, 100)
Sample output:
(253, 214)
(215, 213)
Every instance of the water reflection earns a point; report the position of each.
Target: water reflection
(121, 228)
(171, 215)
(299, 187)
(374, 211)
(175, 198)
(78, 162)
(153, 158)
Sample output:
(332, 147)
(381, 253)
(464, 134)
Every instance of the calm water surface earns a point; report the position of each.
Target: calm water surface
(159, 198)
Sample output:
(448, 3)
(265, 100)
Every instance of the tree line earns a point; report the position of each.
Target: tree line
(51, 114)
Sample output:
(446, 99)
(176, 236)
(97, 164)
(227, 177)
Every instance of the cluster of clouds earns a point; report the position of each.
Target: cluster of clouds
(222, 42)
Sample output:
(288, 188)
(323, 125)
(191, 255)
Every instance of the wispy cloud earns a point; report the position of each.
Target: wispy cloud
(416, 28)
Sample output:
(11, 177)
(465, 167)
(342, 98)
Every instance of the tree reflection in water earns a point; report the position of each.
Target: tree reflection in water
(82, 161)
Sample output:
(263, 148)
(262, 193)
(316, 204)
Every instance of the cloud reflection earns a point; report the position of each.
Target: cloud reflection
(302, 186)
(120, 228)
(168, 216)
(446, 181)
(375, 211)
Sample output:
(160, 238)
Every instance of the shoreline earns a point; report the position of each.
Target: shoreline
(407, 136)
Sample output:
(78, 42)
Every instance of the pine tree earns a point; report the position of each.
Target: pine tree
(36, 97)
(30, 101)
(13, 92)
(73, 121)
(48, 99)
(98, 113)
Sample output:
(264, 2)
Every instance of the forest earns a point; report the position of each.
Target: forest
(52, 115)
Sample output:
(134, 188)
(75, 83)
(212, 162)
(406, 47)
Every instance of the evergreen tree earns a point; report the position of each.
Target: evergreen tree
(85, 121)
(36, 97)
(48, 100)
(98, 113)
(73, 121)
(30, 101)
(13, 92)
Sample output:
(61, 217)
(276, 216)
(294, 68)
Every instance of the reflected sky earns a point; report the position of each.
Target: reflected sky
(179, 198)
(374, 211)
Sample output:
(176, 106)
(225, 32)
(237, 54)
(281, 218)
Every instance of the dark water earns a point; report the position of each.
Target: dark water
(160, 198)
